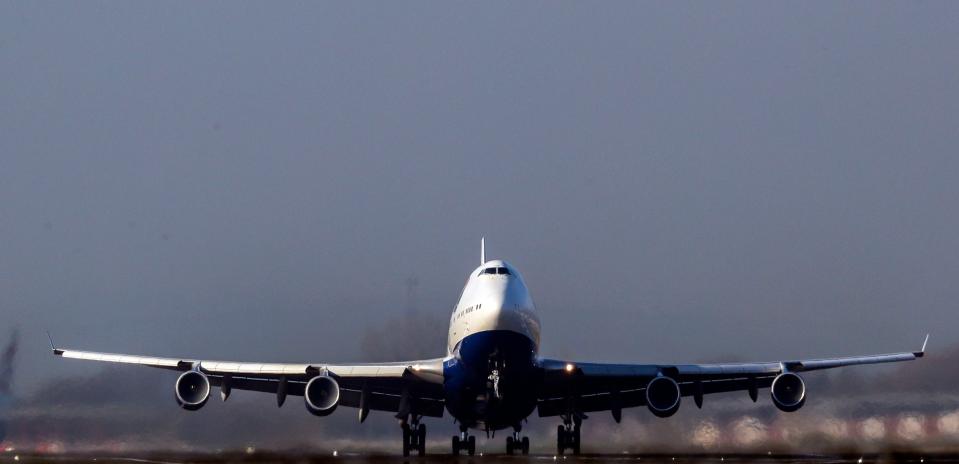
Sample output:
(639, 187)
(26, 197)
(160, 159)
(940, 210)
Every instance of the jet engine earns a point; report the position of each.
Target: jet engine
(322, 395)
(662, 396)
(192, 390)
(788, 392)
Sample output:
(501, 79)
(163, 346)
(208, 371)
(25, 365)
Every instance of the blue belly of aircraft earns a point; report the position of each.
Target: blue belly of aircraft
(474, 398)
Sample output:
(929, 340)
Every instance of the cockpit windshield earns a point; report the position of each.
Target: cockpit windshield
(495, 271)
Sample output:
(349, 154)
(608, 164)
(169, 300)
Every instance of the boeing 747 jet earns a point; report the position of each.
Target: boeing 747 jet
(492, 376)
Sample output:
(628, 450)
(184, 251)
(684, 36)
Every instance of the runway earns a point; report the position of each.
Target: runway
(280, 458)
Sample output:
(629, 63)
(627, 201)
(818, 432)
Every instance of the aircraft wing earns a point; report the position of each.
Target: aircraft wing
(585, 387)
(401, 387)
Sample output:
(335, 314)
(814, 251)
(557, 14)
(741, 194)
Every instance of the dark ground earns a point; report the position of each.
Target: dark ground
(166, 458)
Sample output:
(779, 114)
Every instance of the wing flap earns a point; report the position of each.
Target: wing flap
(364, 370)
(726, 385)
(699, 371)
(592, 402)
(222, 367)
(609, 400)
(293, 388)
(349, 397)
(428, 407)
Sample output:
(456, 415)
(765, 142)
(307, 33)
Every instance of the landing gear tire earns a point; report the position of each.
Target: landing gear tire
(575, 440)
(421, 440)
(567, 439)
(414, 438)
(464, 443)
(406, 440)
(515, 443)
(560, 439)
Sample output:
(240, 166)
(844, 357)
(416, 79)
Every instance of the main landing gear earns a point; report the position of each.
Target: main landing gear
(414, 437)
(514, 443)
(464, 442)
(568, 436)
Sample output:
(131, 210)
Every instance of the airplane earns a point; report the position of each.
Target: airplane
(492, 377)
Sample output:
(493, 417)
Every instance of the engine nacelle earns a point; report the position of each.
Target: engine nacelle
(322, 395)
(788, 392)
(662, 396)
(192, 390)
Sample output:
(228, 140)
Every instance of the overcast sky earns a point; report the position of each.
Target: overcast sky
(676, 181)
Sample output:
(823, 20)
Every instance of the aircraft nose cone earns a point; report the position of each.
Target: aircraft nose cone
(506, 312)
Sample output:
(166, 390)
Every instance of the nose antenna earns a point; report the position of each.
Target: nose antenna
(482, 251)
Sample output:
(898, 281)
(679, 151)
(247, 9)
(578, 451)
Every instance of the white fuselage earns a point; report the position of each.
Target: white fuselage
(493, 301)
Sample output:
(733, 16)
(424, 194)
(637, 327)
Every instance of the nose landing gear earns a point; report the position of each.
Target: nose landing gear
(464, 442)
(494, 378)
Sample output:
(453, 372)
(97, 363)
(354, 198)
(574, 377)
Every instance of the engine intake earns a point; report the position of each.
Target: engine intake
(788, 392)
(192, 390)
(322, 395)
(662, 396)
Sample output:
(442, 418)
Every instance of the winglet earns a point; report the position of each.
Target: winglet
(482, 251)
(56, 351)
(922, 351)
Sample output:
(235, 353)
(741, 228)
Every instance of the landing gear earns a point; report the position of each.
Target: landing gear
(514, 443)
(493, 383)
(414, 438)
(464, 442)
(568, 436)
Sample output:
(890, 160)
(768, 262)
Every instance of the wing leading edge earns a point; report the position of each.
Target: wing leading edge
(393, 386)
(570, 386)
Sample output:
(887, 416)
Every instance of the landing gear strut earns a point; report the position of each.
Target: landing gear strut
(514, 443)
(568, 436)
(414, 437)
(464, 442)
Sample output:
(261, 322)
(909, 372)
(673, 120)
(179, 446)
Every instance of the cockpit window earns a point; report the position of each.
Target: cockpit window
(495, 271)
